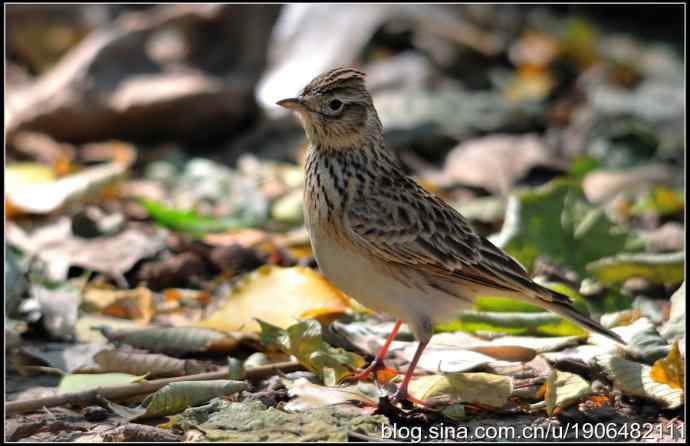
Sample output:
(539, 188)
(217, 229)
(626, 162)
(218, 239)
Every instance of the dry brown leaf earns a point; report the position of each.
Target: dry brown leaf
(134, 304)
(155, 365)
(114, 255)
(670, 370)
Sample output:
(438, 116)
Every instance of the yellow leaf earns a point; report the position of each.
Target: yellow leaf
(279, 296)
(669, 370)
(563, 389)
(18, 176)
(485, 389)
(134, 304)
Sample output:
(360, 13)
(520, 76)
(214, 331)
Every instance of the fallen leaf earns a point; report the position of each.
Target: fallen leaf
(78, 382)
(190, 221)
(131, 304)
(670, 370)
(175, 340)
(59, 248)
(254, 297)
(674, 329)
(450, 359)
(495, 162)
(563, 389)
(151, 364)
(542, 323)
(658, 268)
(45, 197)
(634, 378)
(602, 185)
(88, 327)
(246, 237)
(176, 397)
(662, 201)
(59, 307)
(303, 340)
(556, 221)
(67, 357)
(477, 388)
(252, 421)
(310, 396)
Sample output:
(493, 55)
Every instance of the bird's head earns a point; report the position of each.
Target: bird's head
(336, 110)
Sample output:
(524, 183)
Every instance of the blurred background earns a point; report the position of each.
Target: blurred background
(151, 181)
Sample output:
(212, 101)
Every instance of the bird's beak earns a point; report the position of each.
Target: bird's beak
(292, 104)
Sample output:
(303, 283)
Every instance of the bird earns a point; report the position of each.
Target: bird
(386, 241)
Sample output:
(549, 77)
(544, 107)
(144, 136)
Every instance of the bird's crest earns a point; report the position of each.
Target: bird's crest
(342, 77)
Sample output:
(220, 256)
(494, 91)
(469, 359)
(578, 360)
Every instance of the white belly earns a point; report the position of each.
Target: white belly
(360, 279)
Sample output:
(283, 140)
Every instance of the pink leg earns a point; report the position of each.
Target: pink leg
(377, 363)
(402, 394)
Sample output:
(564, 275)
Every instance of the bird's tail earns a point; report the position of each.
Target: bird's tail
(561, 305)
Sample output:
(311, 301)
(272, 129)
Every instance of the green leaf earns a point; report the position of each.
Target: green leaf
(190, 221)
(176, 397)
(505, 304)
(582, 166)
(555, 220)
(543, 323)
(662, 200)
(77, 382)
(657, 268)
(303, 340)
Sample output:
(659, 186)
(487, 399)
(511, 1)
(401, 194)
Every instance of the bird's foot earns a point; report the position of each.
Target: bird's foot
(402, 395)
(363, 374)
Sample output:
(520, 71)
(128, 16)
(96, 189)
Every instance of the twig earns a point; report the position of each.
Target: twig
(114, 393)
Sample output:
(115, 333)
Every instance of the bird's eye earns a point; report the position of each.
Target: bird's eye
(335, 105)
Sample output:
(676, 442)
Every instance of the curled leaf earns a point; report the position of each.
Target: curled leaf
(563, 389)
(635, 379)
(175, 340)
(155, 365)
(176, 397)
(310, 396)
(670, 370)
(303, 340)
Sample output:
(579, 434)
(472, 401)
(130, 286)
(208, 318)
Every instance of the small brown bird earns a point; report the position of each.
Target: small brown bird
(382, 238)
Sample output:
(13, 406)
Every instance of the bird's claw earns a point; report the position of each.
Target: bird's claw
(363, 374)
(401, 395)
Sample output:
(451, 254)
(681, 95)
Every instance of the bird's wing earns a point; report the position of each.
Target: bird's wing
(406, 225)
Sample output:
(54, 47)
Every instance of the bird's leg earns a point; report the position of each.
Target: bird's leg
(377, 363)
(401, 394)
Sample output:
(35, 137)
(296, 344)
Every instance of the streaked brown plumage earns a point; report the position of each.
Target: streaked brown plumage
(381, 237)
